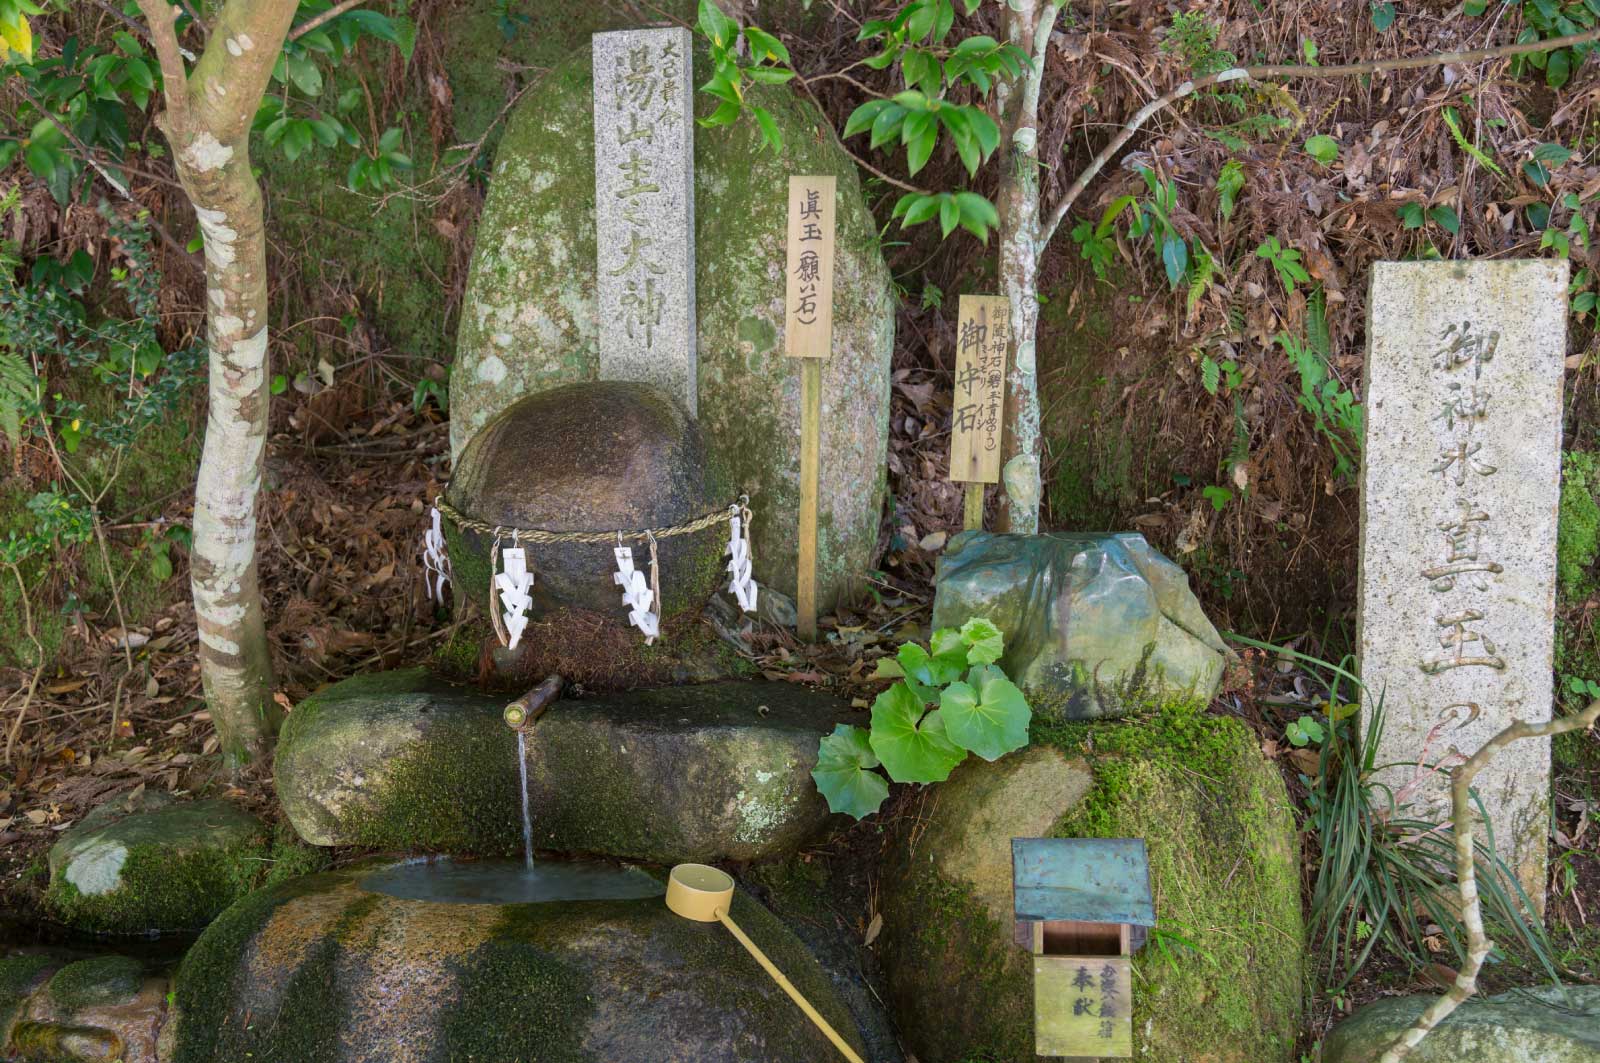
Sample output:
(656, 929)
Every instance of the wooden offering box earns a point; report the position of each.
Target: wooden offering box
(1082, 907)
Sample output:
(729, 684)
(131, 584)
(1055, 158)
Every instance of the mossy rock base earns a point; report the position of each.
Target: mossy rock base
(319, 969)
(402, 760)
(1095, 625)
(1216, 823)
(162, 869)
(1509, 1028)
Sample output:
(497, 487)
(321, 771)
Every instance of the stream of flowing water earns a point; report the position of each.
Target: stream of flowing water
(527, 822)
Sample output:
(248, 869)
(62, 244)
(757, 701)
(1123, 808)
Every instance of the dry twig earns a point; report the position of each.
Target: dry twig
(1478, 944)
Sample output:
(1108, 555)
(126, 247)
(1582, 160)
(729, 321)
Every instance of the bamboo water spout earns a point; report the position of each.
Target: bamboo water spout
(526, 710)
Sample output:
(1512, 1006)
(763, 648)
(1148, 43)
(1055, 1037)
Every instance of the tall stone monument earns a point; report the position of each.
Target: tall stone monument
(644, 209)
(1460, 487)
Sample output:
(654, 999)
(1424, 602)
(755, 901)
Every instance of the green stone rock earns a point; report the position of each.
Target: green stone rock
(720, 771)
(1556, 1026)
(528, 322)
(1223, 865)
(598, 456)
(168, 868)
(100, 980)
(321, 969)
(1095, 625)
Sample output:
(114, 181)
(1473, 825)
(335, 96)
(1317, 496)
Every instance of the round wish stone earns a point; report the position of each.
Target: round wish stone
(601, 456)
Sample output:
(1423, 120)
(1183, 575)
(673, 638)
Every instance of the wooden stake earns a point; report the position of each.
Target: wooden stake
(808, 336)
(973, 518)
(810, 463)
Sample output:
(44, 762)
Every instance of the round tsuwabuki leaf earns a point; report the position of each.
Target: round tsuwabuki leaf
(844, 772)
(985, 642)
(987, 714)
(913, 747)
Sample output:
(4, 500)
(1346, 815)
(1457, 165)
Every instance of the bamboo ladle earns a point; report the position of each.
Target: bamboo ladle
(704, 894)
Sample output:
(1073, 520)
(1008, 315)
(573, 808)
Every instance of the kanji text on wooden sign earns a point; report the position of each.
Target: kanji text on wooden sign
(978, 412)
(808, 321)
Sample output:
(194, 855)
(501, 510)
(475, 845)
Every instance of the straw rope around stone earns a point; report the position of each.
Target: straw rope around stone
(541, 535)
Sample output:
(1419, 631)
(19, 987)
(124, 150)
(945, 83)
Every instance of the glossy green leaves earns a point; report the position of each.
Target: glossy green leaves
(912, 745)
(949, 698)
(986, 714)
(844, 773)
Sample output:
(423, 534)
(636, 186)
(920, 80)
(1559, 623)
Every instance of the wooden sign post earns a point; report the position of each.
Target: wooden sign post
(808, 335)
(978, 412)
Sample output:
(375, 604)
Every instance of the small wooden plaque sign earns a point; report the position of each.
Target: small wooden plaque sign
(977, 414)
(808, 320)
(1083, 1006)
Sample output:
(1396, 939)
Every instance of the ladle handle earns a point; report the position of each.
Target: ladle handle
(788, 987)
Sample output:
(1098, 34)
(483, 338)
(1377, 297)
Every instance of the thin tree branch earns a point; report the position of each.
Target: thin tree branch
(327, 16)
(163, 35)
(1478, 945)
(1251, 73)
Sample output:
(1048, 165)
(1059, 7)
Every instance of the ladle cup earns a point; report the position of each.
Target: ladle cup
(704, 894)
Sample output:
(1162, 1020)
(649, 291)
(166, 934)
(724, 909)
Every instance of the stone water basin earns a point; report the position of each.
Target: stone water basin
(423, 961)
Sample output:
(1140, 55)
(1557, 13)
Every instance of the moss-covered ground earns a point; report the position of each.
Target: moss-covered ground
(1577, 594)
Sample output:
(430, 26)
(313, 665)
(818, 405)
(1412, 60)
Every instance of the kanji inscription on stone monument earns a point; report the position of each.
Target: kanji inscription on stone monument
(644, 208)
(983, 335)
(1460, 487)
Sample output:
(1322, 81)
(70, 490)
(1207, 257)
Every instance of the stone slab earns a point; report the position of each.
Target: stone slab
(1460, 487)
(644, 209)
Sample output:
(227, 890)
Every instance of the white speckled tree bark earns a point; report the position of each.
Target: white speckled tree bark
(207, 122)
(1027, 24)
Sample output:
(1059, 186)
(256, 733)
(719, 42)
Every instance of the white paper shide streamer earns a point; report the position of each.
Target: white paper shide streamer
(435, 562)
(636, 595)
(514, 581)
(740, 583)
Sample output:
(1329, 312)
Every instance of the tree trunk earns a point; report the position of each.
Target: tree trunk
(207, 122)
(1027, 24)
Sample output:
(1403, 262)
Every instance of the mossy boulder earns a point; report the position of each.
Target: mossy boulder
(323, 969)
(164, 868)
(1095, 625)
(1221, 841)
(593, 457)
(101, 1008)
(1548, 1025)
(529, 321)
(698, 773)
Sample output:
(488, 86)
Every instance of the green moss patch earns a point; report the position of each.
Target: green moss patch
(19, 976)
(101, 980)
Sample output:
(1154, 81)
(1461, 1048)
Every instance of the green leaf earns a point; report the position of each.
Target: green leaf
(769, 75)
(769, 129)
(1411, 216)
(280, 384)
(862, 117)
(886, 126)
(725, 114)
(888, 668)
(305, 75)
(935, 670)
(978, 215)
(160, 566)
(764, 46)
(1474, 8)
(919, 208)
(1552, 154)
(1446, 217)
(1323, 148)
(948, 640)
(844, 772)
(1383, 16)
(1175, 257)
(913, 747)
(987, 714)
(985, 642)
